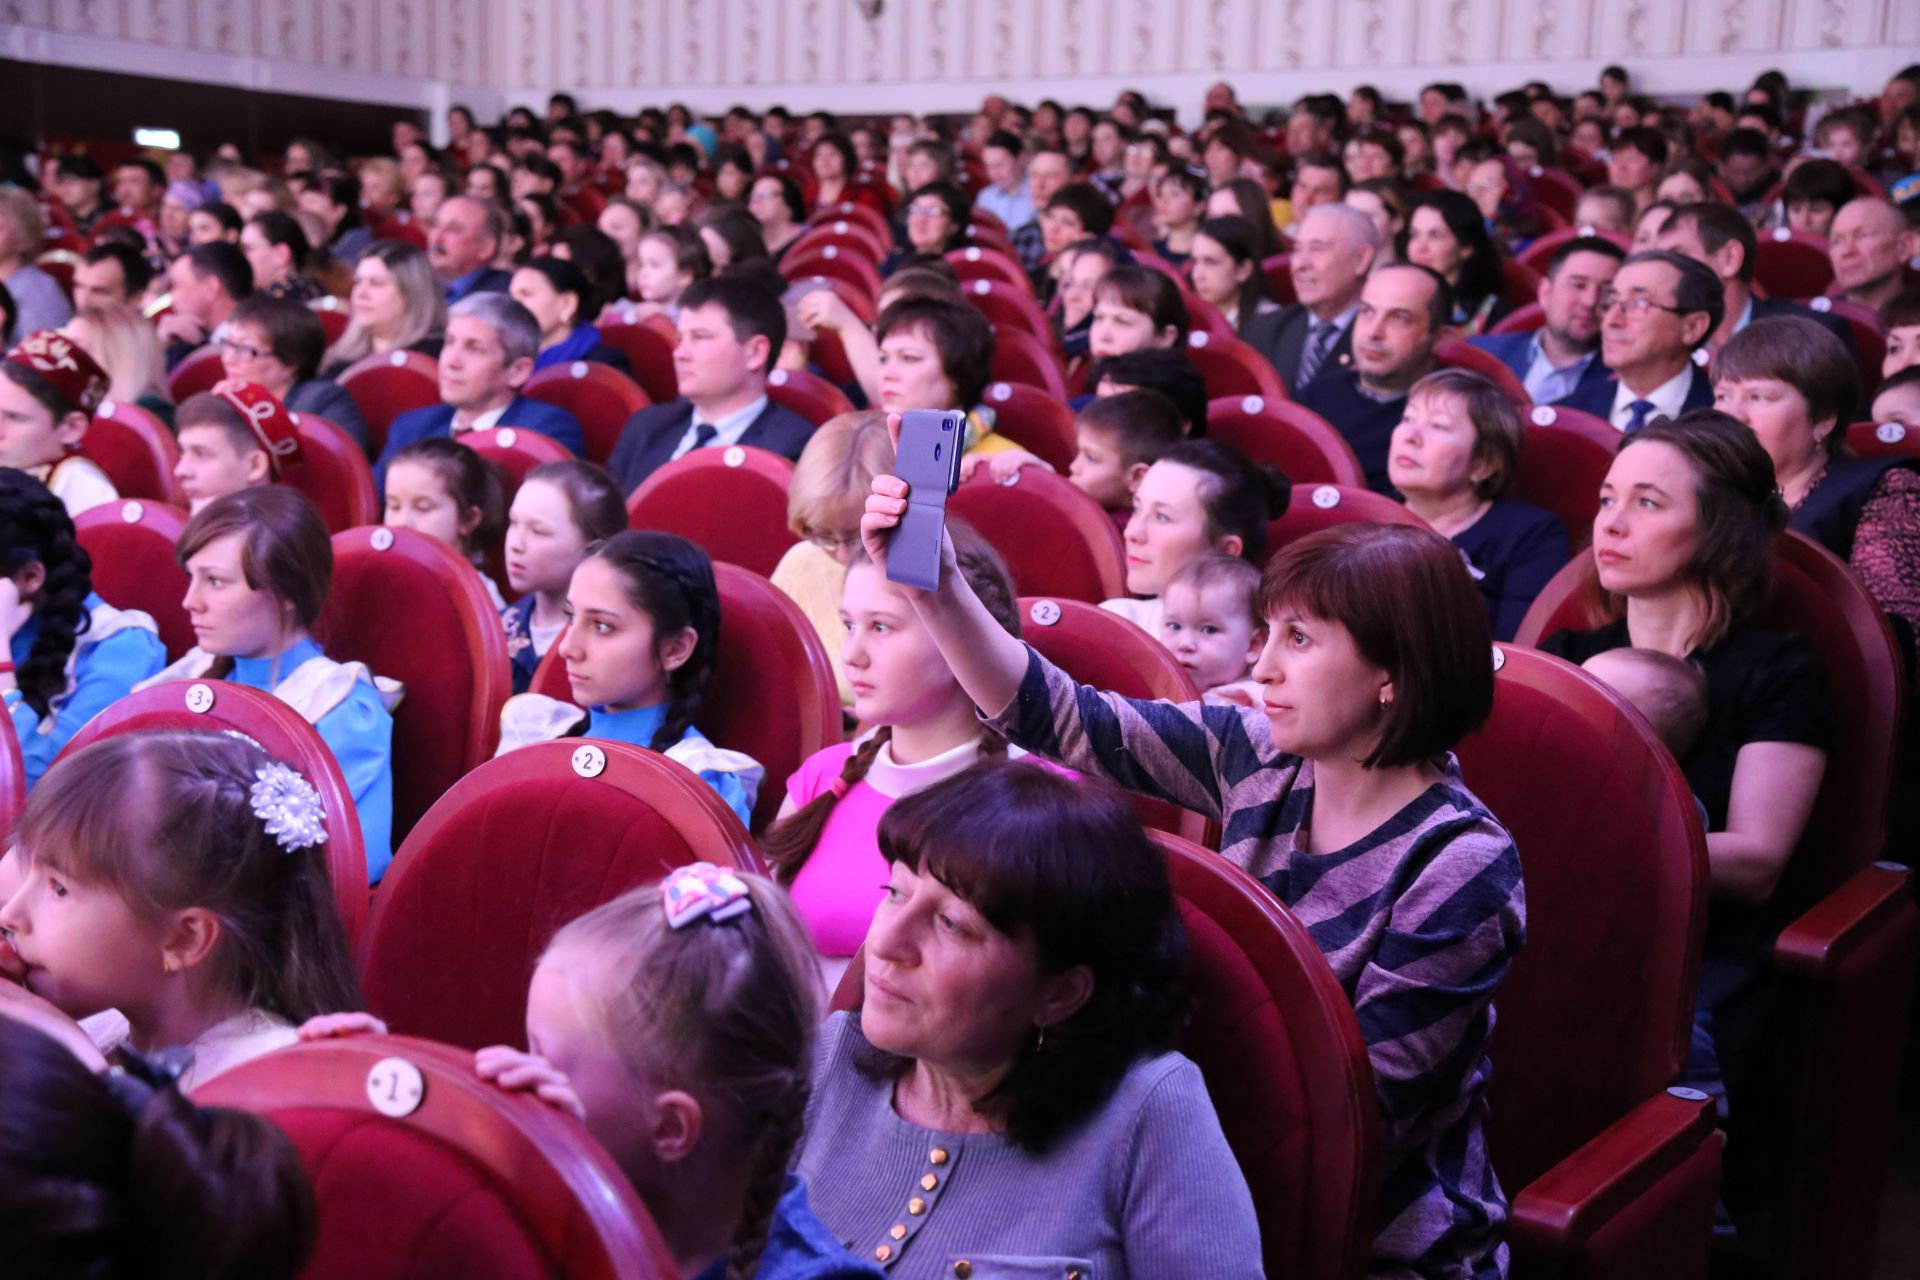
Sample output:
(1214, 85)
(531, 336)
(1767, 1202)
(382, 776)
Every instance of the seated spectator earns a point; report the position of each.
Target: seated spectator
(110, 274)
(936, 354)
(1226, 275)
(1606, 208)
(395, 305)
(1635, 162)
(1136, 308)
(232, 438)
(1373, 153)
(50, 388)
(670, 260)
(1687, 182)
(1900, 317)
(1048, 172)
(1670, 692)
(1453, 458)
(279, 343)
(1090, 964)
(206, 283)
(731, 330)
(1179, 206)
(557, 295)
(1814, 194)
(1169, 372)
(214, 222)
(561, 509)
(1386, 203)
(1074, 213)
(1648, 226)
(76, 184)
(1005, 196)
(1563, 354)
(125, 345)
(1212, 625)
(1246, 198)
(1402, 314)
(834, 166)
(1660, 309)
(39, 301)
(1871, 245)
(1747, 167)
(1898, 399)
(780, 207)
(1718, 236)
(1118, 436)
(624, 222)
(732, 237)
(936, 224)
(278, 252)
(1447, 234)
(465, 241)
(488, 357)
(454, 496)
(1334, 249)
(334, 198)
(1848, 134)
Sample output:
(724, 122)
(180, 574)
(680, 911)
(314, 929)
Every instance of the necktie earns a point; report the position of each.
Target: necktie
(1637, 415)
(1319, 342)
(703, 435)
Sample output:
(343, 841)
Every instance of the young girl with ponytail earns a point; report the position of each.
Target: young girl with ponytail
(65, 654)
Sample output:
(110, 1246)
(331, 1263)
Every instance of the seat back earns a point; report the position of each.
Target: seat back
(516, 451)
(1452, 353)
(131, 544)
(198, 372)
(1521, 320)
(388, 384)
(851, 237)
(1322, 506)
(1019, 356)
(514, 850)
(807, 394)
(1596, 1013)
(414, 610)
(1869, 335)
(1792, 264)
(1278, 272)
(1056, 540)
(599, 396)
(333, 316)
(1232, 368)
(1519, 283)
(13, 780)
(649, 352)
(847, 211)
(975, 263)
(136, 450)
(1292, 437)
(334, 475)
(1034, 420)
(1883, 440)
(461, 1178)
(1008, 306)
(216, 706)
(1557, 190)
(1564, 457)
(731, 501)
(1540, 252)
(832, 260)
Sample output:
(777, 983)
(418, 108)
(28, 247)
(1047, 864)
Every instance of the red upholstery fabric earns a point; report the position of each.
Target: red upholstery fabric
(852, 237)
(807, 394)
(1279, 273)
(1304, 445)
(198, 372)
(13, 779)
(334, 474)
(418, 613)
(1034, 420)
(131, 544)
(1056, 540)
(977, 263)
(599, 396)
(284, 734)
(136, 450)
(1232, 368)
(1018, 356)
(1519, 283)
(388, 384)
(1557, 190)
(1316, 507)
(333, 316)
(1521, 320)
(1206, 317)
(519, 847)
(731, 501)
(1009, 306)
(516, 451)
(1869, 335)
(1454, 354)
(847, 211)
(831, 260)
(475, 1182)
(1883, 440)
(1792, 264)
(1563, 460)
(649, 353)
(1539, 253)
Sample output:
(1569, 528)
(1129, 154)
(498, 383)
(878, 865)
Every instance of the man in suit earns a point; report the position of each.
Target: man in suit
(1563, 354)
(1653, 321)
(1719, 236)
(731, 331)
(488, 357)
(207, 282)
(466, 238)
(1335, 250)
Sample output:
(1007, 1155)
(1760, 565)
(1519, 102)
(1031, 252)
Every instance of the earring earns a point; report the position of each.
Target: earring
(1040, 1041)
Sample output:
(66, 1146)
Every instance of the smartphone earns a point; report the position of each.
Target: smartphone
(928, 459)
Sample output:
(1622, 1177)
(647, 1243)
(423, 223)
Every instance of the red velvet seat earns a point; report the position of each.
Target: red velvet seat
(1563, 460)
(388, 384)
(1539, 253)
(649, 351)
(1792, 264)
(851, 237)
(773, 693)
(516, 451)
(1451, 353)
(807, 394)
(414, 610)
(13, 780)
(1304, 445)
(131, 544)
(976, 262)
(1321, 506)
(1883, 440)
(1521, 320)
(847, 211)
(1232, 368)
(198, 372)
(1869, 335)
(333, 473)
(1556, 189)
(1278, 271)
(1519, 283)
(840, 264)
(283, 733)
(732, 501)
(1019, 356)
(599, 396)
(1034, 420)
(136, 450)
(1056, 540)
(476, 1181)
(1008, 306)
(1607, 1172)
(333, 316)
(60, 264)
(514, 850)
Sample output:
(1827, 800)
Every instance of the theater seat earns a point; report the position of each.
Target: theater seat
(131, 544)
(849, 237)
(977, 263)
(414, 610)
(13, 780)
(1232, 368)
(847, 211)
(732, 501)
(1018, 356)
(136, 450)
(599, 396)
(1525, 319)
(198, 372)
(649, 351)
(1883, 440)
(1451, 353)
(840, 264)
(388, 384)
(1034, 420)
(217, 706)
(1540, 252)
(462, 1178)
(333, 316)
(1869, 335)
(1792, 264)
(1519, 283)
(333, 473)
(1304, 445)
(1009, 306)
(516, 451)
(514, 850)
(1322, 506)
(1056, 540)
(1564, 457)
(1557, 190)
(807, 394)
(1278, 271)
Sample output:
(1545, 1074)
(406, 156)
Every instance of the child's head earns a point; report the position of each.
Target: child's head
(49, 388)
(670, 259)
(232, 438)
(1898, 399)
(833, 477)
(644, 628)
(259, 563)
(561, 509)
(691, 1048)
(1136, 307)
(1210, 622)
(1670, 692)
(1900, 317)
(52, 572)
(1847, 135)
(1118, 438)
(1169, 371)
(448, 492)
(153, 886)
(1201, 496)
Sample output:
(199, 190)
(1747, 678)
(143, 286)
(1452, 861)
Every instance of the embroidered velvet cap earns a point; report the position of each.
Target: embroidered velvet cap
(276, 427)
(74, 375)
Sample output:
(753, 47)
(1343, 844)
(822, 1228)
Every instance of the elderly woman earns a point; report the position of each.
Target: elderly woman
(1341, 794)
(396, 303)
(1452, 458)
(278, 343)
(1007, 1100)
(1796, 385)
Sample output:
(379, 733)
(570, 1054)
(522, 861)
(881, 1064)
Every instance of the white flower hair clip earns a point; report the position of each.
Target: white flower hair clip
(288, 807)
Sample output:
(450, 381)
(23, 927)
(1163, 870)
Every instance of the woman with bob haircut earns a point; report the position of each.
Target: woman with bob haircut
(936, 354)
(1008, 1092)
(1340, 793)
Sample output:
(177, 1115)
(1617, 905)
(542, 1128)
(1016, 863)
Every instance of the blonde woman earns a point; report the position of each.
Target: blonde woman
(128, 348)
(38, 300)
(396, 303)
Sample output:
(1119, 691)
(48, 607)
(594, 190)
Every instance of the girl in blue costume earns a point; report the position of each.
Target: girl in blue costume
(65, 654)
(643, 632)
(562, 508)
(260, 563)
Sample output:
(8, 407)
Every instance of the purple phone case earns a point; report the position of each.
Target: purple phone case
(929, 461)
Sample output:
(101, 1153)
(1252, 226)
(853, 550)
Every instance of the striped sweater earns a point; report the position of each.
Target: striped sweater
(1419, 920)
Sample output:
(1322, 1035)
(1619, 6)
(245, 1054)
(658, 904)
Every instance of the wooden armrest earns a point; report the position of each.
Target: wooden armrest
(1815, 944)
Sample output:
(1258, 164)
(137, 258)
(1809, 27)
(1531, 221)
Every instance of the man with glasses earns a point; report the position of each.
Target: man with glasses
(1656, 316)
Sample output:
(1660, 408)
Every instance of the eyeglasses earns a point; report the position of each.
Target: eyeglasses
(832, 542)
(242, 350)
(927, 209)
(1637, 304)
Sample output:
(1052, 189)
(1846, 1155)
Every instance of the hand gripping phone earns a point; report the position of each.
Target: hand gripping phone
(928, 459)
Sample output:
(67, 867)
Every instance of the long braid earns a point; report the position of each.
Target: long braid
(789, 841)
(780, 1130)
(687, 686)
(35, 526)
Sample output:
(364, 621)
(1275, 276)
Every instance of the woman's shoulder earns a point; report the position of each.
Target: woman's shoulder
(1518, 520)
(1577, 644)
(527, 718)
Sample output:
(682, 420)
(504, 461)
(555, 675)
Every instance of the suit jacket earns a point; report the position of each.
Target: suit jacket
(491, 280)
(648, 440)
(1596, 397)
(330, 400)
(1774, 308)
(1511, 350)
(1281, 336)
(437, 420)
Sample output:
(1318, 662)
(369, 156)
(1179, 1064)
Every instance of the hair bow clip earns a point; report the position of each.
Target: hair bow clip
(703, 890)
(288, 807)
